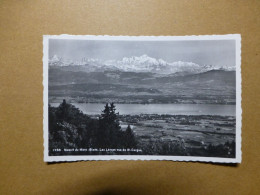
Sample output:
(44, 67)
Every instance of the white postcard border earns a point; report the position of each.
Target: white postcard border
(236, 37)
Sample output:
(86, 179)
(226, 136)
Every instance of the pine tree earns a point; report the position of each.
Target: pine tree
(102, 139)
(110, 133)
(105, 113)
(130, 141)
(62, 111)
(116, 133)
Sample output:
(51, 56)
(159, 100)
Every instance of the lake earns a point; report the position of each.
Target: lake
(172, 109)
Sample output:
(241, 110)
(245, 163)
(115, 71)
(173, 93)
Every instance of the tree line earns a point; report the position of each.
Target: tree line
(70, 128)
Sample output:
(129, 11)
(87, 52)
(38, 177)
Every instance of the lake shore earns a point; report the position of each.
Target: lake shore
(160, 109)
(146, 100)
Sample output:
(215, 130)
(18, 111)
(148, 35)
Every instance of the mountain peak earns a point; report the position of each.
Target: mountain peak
(143, 63)
(141, 60)
(144, 56)
(55, 58)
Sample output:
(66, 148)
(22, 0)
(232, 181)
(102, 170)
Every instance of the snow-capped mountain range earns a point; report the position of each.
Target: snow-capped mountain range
(142, 63)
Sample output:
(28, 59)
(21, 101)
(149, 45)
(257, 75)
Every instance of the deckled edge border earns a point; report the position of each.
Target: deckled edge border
(237, 159)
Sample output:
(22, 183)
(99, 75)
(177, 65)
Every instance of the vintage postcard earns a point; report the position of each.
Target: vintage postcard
(142, 98)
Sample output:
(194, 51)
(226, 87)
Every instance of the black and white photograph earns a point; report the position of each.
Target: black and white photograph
(142, 98)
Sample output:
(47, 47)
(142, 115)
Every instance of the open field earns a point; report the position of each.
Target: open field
(193, 133)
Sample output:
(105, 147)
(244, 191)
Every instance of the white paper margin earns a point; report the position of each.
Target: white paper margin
(237, 159)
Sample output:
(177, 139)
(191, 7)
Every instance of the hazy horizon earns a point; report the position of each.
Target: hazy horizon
(210, 52)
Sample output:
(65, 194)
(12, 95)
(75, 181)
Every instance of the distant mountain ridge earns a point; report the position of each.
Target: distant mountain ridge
(214, 86)
(142, 63)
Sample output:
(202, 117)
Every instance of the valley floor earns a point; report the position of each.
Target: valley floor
(202, 135)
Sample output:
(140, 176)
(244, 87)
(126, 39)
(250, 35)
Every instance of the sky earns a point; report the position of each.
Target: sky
(203, 52)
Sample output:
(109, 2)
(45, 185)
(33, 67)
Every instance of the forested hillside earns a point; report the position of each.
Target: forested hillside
(70, 128)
